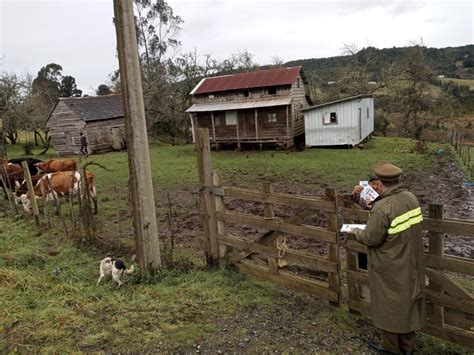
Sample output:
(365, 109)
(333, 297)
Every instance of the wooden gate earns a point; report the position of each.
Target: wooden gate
(449, 306)
(266, 254)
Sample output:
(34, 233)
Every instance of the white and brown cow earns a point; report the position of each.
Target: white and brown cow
(62, 183)
(55, 165)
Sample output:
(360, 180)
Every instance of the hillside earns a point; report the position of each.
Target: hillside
(454, 62)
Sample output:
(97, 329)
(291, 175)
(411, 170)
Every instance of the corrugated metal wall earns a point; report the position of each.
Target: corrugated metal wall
(355, 121)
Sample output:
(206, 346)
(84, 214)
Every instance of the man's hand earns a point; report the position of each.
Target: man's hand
(368, 201)
(357, 190)
(356, 232)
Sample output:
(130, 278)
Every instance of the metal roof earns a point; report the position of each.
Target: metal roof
(337, 102)
(239, 105)
(255, 79)
(94, 108)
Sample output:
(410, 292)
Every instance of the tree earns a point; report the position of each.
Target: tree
(68, 87)
(157, 27)
(10, 100)
(103, 89)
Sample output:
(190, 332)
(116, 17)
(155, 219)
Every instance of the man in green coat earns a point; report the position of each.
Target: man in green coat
(396, 268)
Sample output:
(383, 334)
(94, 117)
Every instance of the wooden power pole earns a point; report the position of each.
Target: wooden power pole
(141, 186)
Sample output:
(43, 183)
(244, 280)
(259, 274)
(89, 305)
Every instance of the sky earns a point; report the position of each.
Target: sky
(80, 36)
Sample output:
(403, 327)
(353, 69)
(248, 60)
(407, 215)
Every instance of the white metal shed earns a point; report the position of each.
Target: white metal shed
(348, 121)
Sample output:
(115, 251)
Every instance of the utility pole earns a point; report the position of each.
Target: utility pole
(141, 186)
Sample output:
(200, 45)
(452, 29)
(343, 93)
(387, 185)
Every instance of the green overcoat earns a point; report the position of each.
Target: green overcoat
(396, 268)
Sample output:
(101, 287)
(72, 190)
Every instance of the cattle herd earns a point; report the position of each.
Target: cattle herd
(52, 179)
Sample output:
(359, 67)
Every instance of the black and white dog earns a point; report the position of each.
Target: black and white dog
(116, 267)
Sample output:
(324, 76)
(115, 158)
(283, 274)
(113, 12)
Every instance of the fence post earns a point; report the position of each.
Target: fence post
(219, 202)
(29, 184)
(203, 149)
(269, 213)
(435, 247)
(333, 250)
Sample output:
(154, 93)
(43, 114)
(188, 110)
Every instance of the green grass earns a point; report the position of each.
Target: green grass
(467, 82)
(49, 300)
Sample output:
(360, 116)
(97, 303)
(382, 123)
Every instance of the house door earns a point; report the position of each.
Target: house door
(247, 123)
(117, 139)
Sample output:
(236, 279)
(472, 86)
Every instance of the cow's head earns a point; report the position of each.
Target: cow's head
(26, 201)
(41, 167)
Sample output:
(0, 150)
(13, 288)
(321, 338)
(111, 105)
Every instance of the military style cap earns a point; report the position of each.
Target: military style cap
(387, 172)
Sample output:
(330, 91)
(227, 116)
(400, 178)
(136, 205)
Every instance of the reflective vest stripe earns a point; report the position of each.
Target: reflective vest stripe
(405, 217)
(407, 221)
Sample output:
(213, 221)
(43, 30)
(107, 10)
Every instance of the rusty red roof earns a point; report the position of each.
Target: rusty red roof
(255, 79)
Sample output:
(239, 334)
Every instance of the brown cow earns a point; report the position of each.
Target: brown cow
(12, 175)
(54, 165)
(62, 184)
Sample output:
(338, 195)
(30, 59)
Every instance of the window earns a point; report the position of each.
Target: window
(329, 118)
(246, 93)
(270, 117)
(230, 118)
(218, 119)
(367, 113)
(272, 91)
(211, 96)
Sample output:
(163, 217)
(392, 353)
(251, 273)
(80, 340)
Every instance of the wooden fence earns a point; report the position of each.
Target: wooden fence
(450, 308)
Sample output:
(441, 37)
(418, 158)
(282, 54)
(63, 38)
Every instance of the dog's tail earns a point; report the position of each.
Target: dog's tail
(131, 270)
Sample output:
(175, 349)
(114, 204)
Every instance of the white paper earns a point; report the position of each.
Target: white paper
(363, 183)
(347, 227)
(370, 192)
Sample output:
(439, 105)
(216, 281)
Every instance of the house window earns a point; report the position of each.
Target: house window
(211, 96)
(246, 93)
(271, 117)
(231, 118)
(329, 118)
(367, 113)
(272, 91)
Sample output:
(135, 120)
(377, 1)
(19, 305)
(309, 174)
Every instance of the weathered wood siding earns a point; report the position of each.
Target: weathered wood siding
(234, 95)
(300, 102)
(106, 135)
(64, 126)
(246, 129)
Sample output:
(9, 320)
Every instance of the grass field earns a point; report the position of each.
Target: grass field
(51, 303)
(467, 82)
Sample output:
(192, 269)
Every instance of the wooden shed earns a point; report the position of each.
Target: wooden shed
(100, 118)
(261, 107)
(344, 122)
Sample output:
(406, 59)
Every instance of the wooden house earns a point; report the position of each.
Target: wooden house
(99, 118)
(262, 107)
(343, 122)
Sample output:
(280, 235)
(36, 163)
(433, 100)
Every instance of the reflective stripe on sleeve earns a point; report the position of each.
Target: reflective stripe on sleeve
(405, 221)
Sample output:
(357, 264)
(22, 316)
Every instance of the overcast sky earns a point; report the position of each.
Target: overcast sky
(79, 34)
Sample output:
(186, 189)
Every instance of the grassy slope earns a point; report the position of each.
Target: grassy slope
(47, 283)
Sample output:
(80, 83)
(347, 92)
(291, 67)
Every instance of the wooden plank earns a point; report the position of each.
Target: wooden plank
(359, 306)
(448, 301)
(333, 249)
(454, 335)
(458, 319)
(311, 261)
(318, 289)
(358, 277)
(280, 199)
(450, 263)
(303, 230)
(435, 247)
(219, 205)
(354, 214)
(31, 190)
(209, 220)
(354, 245)
(269, 213)
(449, 226)
(443, 283)
(353, 287)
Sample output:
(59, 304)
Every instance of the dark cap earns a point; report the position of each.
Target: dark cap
(387, 172)
(373, 177)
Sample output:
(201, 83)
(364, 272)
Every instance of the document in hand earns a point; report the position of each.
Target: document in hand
(346, 228)
(368, 191)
